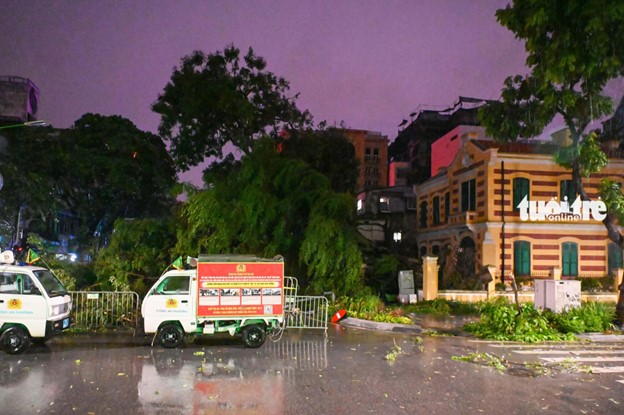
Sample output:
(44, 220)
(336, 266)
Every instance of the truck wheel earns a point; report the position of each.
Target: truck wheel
(253, 336)
(14, 340)
(170, 336)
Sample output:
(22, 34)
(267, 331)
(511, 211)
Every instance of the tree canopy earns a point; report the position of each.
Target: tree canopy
(101, 169)
(573, 48)
(215, 100)
(275, 205)
(328, 151)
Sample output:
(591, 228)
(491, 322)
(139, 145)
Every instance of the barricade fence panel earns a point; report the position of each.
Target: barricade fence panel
(308, 312)
(105, 309)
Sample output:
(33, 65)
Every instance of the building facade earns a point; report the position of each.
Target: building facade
(371, 151)
(475, 202)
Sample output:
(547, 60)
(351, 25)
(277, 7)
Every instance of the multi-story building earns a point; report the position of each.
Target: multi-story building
(413, 143)
(371, 151)
(484, 196)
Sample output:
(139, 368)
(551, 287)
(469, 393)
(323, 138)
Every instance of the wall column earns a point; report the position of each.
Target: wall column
(430, 277)
(555, 273)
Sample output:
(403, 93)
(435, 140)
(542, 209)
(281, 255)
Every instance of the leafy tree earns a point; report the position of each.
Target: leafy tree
(114, 170)
(31, 164)
(102, 169)
(574, 47)
(328, 151)
(138, 252)
(213, 100)
(274, 205)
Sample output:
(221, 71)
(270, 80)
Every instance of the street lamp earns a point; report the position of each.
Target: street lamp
(36, 123)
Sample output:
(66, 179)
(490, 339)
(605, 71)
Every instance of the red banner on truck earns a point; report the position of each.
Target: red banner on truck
(240, 289)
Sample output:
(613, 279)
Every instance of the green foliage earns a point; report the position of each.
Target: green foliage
(137, 254)
(591, 157)
(269, 205)
(368, 306)
(101, 169)
(328, 151)
(443, 307)
(611, 193)
(502, 321)
(215, 99)
(590, 317)
(590, 285)
(366, 302)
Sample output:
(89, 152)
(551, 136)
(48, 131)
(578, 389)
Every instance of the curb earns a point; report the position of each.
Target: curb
(599, 337)
(374, 325)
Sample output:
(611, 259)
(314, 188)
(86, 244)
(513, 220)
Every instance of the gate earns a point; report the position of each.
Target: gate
(104, 309)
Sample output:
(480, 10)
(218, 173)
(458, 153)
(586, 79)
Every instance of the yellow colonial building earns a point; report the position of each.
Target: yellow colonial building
(470, 204)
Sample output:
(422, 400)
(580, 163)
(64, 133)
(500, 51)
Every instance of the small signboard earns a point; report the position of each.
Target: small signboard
(235, 289)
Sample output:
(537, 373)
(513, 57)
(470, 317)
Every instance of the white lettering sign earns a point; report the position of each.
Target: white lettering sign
(562, 211)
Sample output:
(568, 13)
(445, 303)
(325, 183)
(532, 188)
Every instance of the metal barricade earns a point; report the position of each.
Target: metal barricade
(308, 312)
(104, 309)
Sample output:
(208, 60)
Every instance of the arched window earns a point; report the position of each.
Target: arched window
(569, 259)
(522, 258)
(435, 250)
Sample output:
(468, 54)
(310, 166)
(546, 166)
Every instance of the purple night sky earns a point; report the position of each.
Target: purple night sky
(367, 63)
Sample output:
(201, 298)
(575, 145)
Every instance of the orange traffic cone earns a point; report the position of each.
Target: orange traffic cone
(340, 314)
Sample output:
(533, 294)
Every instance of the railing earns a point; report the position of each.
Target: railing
(104, 309)
(308, 312)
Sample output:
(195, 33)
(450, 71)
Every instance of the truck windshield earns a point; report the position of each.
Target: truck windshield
(50, 283)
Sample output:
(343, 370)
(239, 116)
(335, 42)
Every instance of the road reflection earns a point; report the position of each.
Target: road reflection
(98, 374)
(227, 381)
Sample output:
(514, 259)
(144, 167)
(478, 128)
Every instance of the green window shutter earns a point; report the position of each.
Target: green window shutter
(614, 258)
(522, 258)
(567, 189)
(569, 266)
(447, 206)
(520, 190)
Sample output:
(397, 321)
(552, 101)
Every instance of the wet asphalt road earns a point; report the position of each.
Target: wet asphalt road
(303, 373)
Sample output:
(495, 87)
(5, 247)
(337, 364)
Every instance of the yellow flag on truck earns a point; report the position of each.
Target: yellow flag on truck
(32, 257)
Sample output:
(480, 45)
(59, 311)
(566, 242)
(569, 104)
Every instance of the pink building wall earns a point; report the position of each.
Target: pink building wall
(445, 148)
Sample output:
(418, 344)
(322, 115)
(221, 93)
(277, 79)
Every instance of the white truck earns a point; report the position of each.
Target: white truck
(34, 305)
(235, 294)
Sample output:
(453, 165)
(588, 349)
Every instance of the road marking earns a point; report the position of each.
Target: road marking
(621, 380)
(582, 359)
(608, 369)
(570, 352)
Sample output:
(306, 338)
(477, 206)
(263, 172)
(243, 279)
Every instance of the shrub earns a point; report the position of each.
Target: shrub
(503, 321)
(590, 317)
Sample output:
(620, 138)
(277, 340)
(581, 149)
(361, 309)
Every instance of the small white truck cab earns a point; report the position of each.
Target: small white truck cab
(34, 305)
(235, 294)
